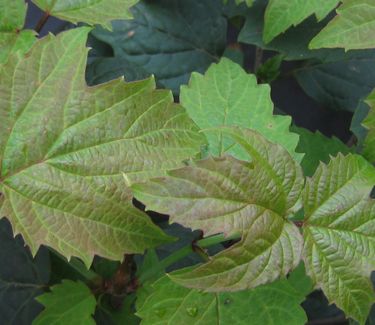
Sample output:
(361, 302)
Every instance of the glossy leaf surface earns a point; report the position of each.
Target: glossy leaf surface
(225, 195)
(339, 233)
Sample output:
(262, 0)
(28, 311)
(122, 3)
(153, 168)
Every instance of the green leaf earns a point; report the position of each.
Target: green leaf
(165, 38)
(68, 302)
(225, 195)
(282, 14)
(339, 233)
(352, 28)
(356, 125)
(248, 2)
(293, 44)
(62, 154)
(12, 40)
(369, 124)
(317, 148)
(91, 12)
(339, 83)
(15, 43)
(12, 14)
(227, 96)
(21, 278)
(275, 303)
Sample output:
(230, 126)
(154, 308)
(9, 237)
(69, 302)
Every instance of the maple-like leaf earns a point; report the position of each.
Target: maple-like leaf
(68, 302)
(282, 14)
(88, 11)
(227, 96)
(352, 28)
(339, 232)
(64, 147)
(225, 195)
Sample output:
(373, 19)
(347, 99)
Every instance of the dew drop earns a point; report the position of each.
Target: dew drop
(192, 311)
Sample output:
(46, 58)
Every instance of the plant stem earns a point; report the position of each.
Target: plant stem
(42, 21)
(258, 58)
(185, 251)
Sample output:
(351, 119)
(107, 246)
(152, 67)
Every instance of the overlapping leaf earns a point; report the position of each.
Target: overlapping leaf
(317, 148)
(88, 11)
(339, 233)
(64, 147)
(293, 44)
(170, 303)
(12, 40)
(165, 39)
(225, 195)
(227, 96)
(369, 124)
(341, 82)
(21, 278)
(282, 14)
(352, 28)
(68, 303)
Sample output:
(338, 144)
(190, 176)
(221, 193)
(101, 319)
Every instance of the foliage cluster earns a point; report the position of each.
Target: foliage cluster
(262, 213)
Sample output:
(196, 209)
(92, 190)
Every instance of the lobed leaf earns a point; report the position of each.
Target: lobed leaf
(64, 147)
(317, 148)
(227, 96)
(169, 303)
(339, 233)
(91, 12)
(68, 302)
(225, 195)
(352, 28)
(165, 39)
(282, 14)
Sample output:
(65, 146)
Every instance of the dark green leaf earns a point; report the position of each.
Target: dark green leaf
(21, 278)
(167, 38)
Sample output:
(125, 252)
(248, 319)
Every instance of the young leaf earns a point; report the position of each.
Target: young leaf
(170, 303)
(339, 233)
(317, 148)
(165, 38)
(12, 40)
(68, 303)
(225, 195)
(352, 28)
(369, 124)
(227, 96)
(91, 12)
(21, 278)
(62, 153)
(282, 14)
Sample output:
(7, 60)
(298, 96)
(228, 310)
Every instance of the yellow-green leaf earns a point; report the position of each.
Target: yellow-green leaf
(225, 195)
(88, 11)
(339, 233)
(64, 147)
(352, 28)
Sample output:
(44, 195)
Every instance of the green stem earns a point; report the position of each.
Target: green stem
(183, 252)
